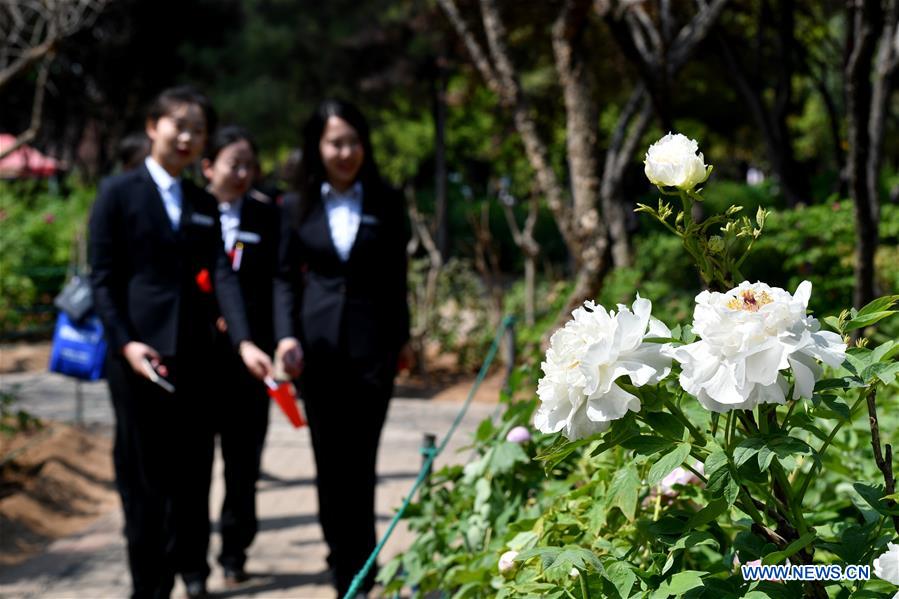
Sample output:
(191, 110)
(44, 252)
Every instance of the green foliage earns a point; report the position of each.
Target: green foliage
(39, 229)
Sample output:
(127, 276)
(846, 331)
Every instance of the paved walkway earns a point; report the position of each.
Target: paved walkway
(288, 555)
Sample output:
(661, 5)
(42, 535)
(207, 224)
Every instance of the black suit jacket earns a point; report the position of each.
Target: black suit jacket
(258, 235)
(319, 297)
(144, 274)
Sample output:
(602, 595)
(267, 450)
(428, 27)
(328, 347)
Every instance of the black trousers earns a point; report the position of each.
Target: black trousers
(346, 404)
(158, 438)
(242, 426)
(239, 415)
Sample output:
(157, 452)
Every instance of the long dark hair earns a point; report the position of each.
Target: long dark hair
(311, 173)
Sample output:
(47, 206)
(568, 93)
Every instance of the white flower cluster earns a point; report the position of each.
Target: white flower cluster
(748, 337)
(578, 392)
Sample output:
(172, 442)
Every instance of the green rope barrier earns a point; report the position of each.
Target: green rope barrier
(432, 454)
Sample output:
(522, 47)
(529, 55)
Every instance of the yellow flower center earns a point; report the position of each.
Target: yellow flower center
(749, 301)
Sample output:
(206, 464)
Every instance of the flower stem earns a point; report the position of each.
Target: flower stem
(792, 405)
(728, 429)
(584, 591)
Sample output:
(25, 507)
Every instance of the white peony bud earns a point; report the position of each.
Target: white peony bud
(519, 434)
(507, 561)
(675, 161)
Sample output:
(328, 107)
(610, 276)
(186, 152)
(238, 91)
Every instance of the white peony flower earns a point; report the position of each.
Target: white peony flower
(675, 161)
(507, 561)
(886, 566)
(578, 393)
(748, 336)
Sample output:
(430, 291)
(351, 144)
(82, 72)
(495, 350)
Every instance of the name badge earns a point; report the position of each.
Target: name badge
(201, 219)
(369, 219)
(248, 237)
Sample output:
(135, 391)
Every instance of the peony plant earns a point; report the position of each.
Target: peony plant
(671, 459)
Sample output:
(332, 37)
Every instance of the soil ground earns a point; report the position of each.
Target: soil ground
(54, 481)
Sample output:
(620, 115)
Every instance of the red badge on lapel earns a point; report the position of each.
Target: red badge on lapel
(204, 281)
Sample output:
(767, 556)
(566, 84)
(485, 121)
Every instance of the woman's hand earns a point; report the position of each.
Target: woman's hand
(135, 352)
(256, 360)
(289, 358)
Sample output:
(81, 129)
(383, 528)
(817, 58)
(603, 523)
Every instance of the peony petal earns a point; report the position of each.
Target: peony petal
(612, 405)
(802, 294)
(805, 372)
(762, 367)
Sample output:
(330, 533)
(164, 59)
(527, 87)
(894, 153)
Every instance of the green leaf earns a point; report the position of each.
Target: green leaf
(621, 575)
(621, 430)
(647, 444)
(879, 305)
(867, 320)
(721, 482)
(696, 538)
(846, 382)
(667, 463)
(559, 450)
(836, 409)
(485, 431)
(746, 449)
(547, 555)
(665, 424)
(888, 373)
(707, 514)
(624, 489)
(874, 496)
(885, 350)
(682, 582)
(505, 456)
(833, 322)
(523, 540)
(795, 547)
(572, 556)
(389, 570)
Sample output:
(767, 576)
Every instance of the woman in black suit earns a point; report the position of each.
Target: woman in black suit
(342, 318)
(250, 230)
(159, 276)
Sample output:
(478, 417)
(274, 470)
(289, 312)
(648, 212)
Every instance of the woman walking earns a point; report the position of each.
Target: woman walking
(342, 318)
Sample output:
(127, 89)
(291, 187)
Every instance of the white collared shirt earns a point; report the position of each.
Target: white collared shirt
(344, 212)
(229, 217)
(169, 189)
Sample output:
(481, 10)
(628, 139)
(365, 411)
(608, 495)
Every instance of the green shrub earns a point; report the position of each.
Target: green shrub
(38, 230)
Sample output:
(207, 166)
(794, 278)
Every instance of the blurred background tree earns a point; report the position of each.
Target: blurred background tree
(518, 128)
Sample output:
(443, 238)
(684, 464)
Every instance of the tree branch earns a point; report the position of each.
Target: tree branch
(25, 60)
(37, 109)
(471, 44)
(884, 464)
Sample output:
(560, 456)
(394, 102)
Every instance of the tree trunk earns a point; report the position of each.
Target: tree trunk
(439, 88)
(865, 22)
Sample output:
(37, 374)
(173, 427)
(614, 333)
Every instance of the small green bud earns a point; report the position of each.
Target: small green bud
(716, 244)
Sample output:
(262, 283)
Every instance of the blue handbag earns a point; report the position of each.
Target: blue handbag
(79, 348)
